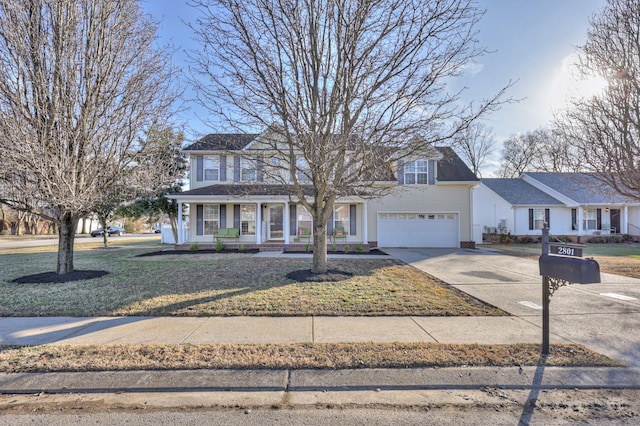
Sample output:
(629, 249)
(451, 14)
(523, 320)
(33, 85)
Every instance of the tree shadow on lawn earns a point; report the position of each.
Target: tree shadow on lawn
(53, 277)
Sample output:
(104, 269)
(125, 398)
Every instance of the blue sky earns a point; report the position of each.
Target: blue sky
(531, 41)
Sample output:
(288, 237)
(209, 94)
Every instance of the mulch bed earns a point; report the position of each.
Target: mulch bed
(305, 275)
(52, 277)
(200, 251)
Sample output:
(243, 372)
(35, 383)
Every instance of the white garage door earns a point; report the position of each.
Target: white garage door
(418, 230)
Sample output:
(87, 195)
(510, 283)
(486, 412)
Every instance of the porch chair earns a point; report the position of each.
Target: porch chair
(339, 234)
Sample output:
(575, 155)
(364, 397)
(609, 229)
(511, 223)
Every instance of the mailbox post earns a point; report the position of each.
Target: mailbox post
(563, 266)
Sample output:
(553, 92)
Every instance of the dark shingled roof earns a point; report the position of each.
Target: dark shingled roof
(244, 190)
(519, 193)
(584, 188)
(451, 168)
(222, 142)
(256, 189)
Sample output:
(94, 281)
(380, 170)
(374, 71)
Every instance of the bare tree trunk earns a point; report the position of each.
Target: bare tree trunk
(21, 216)
(84, 225)
(319, 247)
(67, 225)
(105, 233)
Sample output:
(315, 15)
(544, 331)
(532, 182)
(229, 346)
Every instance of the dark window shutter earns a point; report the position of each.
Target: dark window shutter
(199, 220)
(574, 220)
(431, 170)
(236, 169)
(599, 217)
(223, 215)
(530, 218)
(259, 169)
(199, 168)
(330, 225)
(223, 168)
(401, 172)
(547, 217)
(236, 216)
(292, 219)
(353, 228)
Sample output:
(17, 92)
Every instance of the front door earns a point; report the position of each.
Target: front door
(276, 216)
(615, 221)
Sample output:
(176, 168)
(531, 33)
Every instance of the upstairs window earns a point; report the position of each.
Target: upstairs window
(248, 170)
(302, 170)
(416, 172)
(211, 168)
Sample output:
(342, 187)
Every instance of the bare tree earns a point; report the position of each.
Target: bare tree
(159, 167)
(80, 80)
(539, 150)
(605, 128)
(475, 144)
(519, 153)
(341, 85)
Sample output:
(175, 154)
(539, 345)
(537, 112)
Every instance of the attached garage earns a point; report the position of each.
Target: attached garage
(397, 229)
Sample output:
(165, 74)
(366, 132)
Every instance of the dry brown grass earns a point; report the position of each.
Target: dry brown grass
(212, 284)
(618, 259)
(625, 266)
(51, 358)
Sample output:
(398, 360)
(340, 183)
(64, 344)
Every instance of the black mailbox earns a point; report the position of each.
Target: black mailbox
(572, 269)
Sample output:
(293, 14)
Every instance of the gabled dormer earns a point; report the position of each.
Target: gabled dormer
(439, 166)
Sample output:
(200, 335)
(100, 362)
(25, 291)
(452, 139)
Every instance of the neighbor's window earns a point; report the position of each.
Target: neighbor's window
(590, 220)
(248, 170)
(248, 219)
(211, 167)
(211, 218)
(415, 172)
(538, 218)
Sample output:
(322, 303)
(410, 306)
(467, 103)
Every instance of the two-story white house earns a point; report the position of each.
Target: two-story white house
(428, 204)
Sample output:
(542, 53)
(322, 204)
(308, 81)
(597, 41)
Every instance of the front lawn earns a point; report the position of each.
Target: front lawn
(206, 284)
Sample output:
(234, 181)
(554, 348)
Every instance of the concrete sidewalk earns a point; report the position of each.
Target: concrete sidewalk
(148, 330)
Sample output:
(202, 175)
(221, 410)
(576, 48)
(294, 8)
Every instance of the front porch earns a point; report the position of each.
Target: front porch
(270, 224)
(280, 246)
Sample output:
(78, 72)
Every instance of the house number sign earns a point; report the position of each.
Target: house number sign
(563, 250)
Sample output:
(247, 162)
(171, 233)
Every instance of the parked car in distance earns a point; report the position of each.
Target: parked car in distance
(111, 230)
(157, 229)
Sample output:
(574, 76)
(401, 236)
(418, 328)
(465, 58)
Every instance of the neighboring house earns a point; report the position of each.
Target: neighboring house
(573, 204)
(233, 186)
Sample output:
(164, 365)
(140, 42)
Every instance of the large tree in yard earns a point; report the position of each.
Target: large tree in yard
(80, 81)
(342, 86)
(605, 128)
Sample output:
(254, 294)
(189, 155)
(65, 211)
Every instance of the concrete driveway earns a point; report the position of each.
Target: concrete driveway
(605, 317)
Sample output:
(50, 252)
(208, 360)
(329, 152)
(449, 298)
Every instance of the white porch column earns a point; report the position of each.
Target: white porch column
(287, 222)
(580, 221)
(180, 225)
(365, 224)
(625, 221)
(259, 223)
